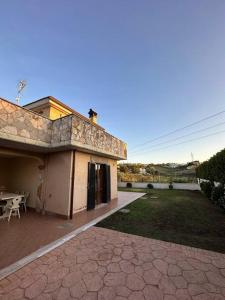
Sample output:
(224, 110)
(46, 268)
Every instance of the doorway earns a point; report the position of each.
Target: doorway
(98, 185)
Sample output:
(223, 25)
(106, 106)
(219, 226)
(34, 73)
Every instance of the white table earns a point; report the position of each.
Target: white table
(7, 197)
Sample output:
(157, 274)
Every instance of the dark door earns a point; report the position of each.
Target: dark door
(99, 184)
(91, 187)
(107, 183)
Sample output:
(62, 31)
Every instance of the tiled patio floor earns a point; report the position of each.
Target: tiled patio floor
(21, 237)
(101, 264)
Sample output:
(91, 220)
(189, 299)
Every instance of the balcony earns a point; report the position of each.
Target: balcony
(24, 129)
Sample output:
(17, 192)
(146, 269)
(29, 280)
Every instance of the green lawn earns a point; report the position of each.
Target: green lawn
(183, 217)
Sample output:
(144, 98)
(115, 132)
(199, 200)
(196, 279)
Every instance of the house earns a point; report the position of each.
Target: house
(65, 160)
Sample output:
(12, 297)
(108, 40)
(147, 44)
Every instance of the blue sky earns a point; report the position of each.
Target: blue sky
(147, 67)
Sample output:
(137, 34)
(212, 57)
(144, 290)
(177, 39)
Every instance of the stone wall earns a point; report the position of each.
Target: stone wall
(96, 138)
(22, 125)
(61, 131)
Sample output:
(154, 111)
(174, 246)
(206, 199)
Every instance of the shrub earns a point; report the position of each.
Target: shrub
(221, 201)
(129, 185)
(150, 186)
(170, 186)
(213, 169)
(217, 193)
(206, 187)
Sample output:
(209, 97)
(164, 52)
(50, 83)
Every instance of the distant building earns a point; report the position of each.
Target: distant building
(142, 171)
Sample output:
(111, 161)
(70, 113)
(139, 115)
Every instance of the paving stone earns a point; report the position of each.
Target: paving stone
(55, 275)
(167, 286)
(179, 282)
(122, 291)
(36, 288)
(90, 296)
(194, 276)
(152, 292)
(182, 294)
(219, 263)
(136, 296)
(115, 279)
(107, 293)
(216, 279)
(93, 281)
(113, 267)
(89, 266)
(126, 266)
(78, 290)
(152, 276)
(72, 278)
(174, 270)
(161, 265)
(119, 267)
(15, 294)
(44, 297)
(195, 289)
(62, 293)
(135, 282)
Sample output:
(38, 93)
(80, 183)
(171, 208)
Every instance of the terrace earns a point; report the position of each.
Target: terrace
(23, 129)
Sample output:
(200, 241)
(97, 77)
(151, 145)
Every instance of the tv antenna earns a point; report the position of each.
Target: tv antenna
(20, 87)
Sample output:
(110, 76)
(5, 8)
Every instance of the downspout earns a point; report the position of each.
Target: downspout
(72, 185)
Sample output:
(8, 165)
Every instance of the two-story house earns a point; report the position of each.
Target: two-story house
(65, 160)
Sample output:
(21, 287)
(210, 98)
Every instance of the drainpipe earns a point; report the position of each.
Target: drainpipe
(72, 185)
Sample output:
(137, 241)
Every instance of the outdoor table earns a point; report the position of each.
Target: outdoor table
(7, 197)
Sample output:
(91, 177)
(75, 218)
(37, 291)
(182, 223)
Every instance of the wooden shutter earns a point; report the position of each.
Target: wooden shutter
(91, 187)
(107, 184)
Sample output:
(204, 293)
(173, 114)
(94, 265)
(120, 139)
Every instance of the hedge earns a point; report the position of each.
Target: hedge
(213, 169)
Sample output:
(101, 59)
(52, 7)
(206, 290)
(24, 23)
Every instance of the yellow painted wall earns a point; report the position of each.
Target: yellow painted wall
(56, 113)
(81, 178)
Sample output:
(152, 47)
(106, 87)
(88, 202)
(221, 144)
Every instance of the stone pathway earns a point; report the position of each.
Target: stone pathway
(101, 264)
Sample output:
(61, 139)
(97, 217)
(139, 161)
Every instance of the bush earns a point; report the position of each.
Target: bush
(217, 193)
(206, 187)
(213, 169)
(170, 186)
(150, 186)
(221, 201)
(129, 185)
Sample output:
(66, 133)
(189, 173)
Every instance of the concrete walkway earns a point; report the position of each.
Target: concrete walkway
(101, 264)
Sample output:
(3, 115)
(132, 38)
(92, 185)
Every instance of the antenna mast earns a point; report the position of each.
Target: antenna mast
(20, 86)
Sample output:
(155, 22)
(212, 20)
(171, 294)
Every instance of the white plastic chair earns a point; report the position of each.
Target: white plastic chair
(23, 201)
(13, 207)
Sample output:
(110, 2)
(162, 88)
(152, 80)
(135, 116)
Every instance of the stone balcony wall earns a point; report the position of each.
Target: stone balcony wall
(71, 132)
(96, 139)
(19, 124)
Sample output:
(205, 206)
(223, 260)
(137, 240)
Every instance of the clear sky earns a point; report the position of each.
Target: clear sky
(147, 67)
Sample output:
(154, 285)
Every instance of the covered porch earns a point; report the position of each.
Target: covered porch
(21, 238)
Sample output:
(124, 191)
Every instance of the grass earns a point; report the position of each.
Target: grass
(179, 216)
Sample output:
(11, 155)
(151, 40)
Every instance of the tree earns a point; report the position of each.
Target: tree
(123, 168)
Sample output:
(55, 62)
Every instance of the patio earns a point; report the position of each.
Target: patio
(109, 265)
(21, 237)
